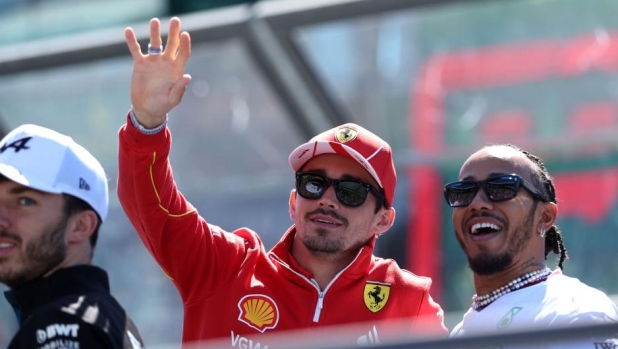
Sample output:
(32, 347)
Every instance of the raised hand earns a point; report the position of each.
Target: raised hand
(158, 81)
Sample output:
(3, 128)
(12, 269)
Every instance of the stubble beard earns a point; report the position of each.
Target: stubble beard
(38, 258)
(489, 263)
(321, 245)
(320, 242)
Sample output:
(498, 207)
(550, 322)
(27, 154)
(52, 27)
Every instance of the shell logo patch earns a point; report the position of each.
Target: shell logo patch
(258, 311)
(345, 134)
(376, 295)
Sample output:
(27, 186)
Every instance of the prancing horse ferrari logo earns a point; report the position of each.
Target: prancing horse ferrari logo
(346, 134)
(376, 295)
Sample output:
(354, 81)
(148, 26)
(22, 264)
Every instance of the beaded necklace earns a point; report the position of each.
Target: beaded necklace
(528, 279)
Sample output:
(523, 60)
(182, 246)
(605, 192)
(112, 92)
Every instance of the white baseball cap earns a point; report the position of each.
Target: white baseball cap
(43, 159)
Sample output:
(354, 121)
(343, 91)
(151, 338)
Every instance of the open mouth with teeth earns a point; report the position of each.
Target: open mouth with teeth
(484, 228)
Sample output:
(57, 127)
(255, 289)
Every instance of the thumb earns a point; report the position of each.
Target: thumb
(178, 90)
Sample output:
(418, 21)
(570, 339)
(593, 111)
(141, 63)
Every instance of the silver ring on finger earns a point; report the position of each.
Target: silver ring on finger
(154, 50)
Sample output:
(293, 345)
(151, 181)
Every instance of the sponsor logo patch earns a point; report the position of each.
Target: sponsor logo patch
(370, 339)
(609, 344)
(241, 342)
(508, 318)
(345, 134)
(17, 145)
(51, 331)
(258, 311)
(376, 295)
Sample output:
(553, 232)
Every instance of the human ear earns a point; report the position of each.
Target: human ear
(386, 220)
(292, 205)
(81, 225)
(549, 213)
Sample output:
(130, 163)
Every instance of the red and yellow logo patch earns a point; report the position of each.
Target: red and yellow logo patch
(346, 134)
(376, 295)
(258, 311)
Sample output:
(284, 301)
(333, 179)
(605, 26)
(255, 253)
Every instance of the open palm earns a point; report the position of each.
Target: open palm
(158, 81)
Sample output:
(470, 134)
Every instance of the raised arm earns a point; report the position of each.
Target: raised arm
(195, 255)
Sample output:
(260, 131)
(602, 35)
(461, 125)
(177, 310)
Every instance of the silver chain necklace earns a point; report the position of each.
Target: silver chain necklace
(532, 277)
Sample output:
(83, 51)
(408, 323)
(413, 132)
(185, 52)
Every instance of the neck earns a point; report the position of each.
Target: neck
(323, 266)
(75, 256)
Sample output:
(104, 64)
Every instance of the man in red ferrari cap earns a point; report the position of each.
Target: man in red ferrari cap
(322, 272)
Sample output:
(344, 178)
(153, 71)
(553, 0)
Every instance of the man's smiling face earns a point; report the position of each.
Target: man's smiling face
(496, 235)
(32, 233)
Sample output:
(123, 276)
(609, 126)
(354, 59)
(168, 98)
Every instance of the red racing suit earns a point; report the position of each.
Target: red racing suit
(232, 287)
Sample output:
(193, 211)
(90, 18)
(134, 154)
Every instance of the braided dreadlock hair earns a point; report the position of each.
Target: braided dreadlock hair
(541, 177)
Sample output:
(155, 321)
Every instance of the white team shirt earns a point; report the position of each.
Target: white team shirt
(559, 301)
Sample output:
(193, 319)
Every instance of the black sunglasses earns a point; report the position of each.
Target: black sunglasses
(501, 188)
(349, 192)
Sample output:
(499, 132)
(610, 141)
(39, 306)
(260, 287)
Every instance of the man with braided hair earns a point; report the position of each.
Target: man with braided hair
(504, 210)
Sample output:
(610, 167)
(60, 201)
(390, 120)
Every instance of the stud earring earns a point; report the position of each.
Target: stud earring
(542, 234)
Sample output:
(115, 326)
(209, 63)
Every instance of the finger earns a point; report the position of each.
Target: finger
(178, 90)
(173, 37)
(155, 33)
(131, 39)
(185, 48)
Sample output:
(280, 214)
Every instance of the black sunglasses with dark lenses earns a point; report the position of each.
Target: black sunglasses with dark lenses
(349, 192)
(501, 188)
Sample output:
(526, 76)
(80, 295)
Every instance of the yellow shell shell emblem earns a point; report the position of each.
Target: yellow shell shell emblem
(345, 134)
(376, 295)
(258, 311)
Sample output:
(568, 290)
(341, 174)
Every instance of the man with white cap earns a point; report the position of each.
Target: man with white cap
(53, 200)
(322, 272)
